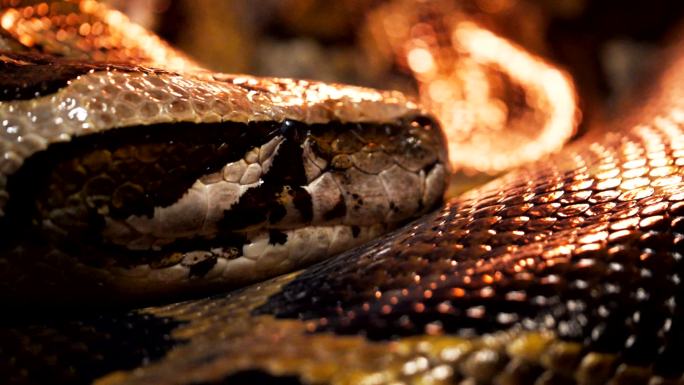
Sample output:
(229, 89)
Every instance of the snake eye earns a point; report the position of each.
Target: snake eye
(286, 127)
(293, 130)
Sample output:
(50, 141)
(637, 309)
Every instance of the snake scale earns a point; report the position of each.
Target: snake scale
(565, 271)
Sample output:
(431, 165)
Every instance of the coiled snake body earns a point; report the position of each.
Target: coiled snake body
(566, 271)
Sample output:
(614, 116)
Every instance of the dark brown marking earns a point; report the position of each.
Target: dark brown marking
(276, 237)
(303, 203)
(261, 203)
(29, 75)
(200, 269)
(338, 211)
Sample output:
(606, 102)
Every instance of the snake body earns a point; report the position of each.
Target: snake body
(566, 271)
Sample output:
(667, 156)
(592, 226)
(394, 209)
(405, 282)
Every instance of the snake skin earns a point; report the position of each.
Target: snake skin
(566, 271)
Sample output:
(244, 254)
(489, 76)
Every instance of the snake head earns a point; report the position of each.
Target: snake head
(140, 183)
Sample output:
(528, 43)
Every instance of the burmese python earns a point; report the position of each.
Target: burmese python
(568, 270)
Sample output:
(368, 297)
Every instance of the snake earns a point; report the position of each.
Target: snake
(155, 215)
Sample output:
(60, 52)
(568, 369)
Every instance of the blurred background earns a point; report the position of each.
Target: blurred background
(424, 48)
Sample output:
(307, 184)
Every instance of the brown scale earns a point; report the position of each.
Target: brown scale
(376, 138)
(544, 249)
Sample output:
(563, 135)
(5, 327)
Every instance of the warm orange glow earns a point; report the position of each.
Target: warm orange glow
(420, 60)
(134, 35)
(548, 91)
(9, 18)
(457, 292)
(90, 30)
(499, 105)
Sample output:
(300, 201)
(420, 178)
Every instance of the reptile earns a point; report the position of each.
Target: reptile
(567, 270)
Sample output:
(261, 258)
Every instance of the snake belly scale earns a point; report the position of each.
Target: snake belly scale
(143, 180)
